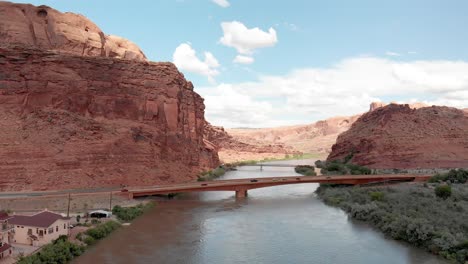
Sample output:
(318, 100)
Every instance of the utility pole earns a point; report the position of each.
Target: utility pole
(110, 202)
(68, 208)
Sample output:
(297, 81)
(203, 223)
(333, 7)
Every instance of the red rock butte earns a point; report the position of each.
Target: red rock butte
(45, 28)
(403, 137)
(75, 112)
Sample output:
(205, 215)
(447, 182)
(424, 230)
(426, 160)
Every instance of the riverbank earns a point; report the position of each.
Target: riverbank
(79, 203)
(65, 249)
(196, 228)
(411, 213)
(221, 170)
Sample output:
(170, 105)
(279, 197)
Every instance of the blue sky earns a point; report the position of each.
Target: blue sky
(323, 59)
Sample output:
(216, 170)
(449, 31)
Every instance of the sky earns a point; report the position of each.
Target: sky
(274, 63)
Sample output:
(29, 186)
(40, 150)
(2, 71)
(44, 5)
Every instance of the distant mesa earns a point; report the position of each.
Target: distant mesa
(48, 29)
(375, 105)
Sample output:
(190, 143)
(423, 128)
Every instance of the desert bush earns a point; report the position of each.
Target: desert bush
(377, 196)
(59, 251)
(130, 213)
(100, 231)
(453, 176)
(213, 174)
(443, 191)
(411, 213)
(306, 170)
(338, 167)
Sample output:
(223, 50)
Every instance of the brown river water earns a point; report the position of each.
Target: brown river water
(281, 224)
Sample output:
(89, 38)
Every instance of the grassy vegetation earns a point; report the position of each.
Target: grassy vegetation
(98, 232)
(286, 157)
(212, 174)
(306, 170)
(300, 156)
(341, 167)
(60, 250)
(411, 212)
(127, 214)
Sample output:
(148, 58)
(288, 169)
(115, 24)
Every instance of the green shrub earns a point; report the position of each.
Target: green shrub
(59, 251)
(213, 174)
(453, 176)
(130, 213)
(377, 196)
(89, 240)
(100, 231)
(443, 191)
(306, 170)
(338, 167)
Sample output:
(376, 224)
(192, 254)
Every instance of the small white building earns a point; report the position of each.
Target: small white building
(39, 229)
(100, 214)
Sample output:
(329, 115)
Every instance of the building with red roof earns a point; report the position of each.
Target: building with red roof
(39, 229)
(6, 235)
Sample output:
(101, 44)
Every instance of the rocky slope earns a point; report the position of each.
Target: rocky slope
(316, 138)
(72, 121)
(401, 137)
(231, 149)
(45, 28)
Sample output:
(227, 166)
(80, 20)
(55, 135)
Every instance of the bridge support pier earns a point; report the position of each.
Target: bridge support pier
(241, 193)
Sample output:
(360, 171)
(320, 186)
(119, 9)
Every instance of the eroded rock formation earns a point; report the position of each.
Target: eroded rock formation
(314, 138)
(80, 109)
(71, 121)
(45, 28)
(402, 137)
(231, 149)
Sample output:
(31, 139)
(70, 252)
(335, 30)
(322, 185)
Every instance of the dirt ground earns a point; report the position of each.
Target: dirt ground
(79, 203)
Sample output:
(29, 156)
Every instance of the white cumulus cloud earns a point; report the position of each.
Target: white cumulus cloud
(185, 58)
(243, 59)
(346, 88)
(246, 40)
(222, 3)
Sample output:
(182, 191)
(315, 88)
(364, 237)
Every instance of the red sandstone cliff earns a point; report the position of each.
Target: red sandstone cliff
(45, 28)
(398, 136)
(316, 138)
(231, 149)
(71, 121)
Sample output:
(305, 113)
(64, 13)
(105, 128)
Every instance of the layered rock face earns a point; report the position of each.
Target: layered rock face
(402, 137)
(45, 28)
(72, 121)
(315, 138)
(231, 149)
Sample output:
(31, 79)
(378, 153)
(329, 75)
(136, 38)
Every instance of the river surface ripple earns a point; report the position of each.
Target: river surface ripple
(282, 224)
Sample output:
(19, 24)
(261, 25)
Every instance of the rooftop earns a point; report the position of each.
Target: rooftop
(4, 216)
(4, 247)
(43, 219)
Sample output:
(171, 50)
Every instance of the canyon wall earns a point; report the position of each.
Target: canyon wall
(45, 28)
(94, 116)
(316, 138)
(231, 148)
(403, 137)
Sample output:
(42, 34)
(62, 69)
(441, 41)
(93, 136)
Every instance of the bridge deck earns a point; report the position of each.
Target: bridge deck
(253, 183)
